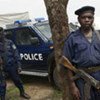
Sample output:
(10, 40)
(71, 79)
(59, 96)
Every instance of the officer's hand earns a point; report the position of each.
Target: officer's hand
(75, 92)
(19, 69)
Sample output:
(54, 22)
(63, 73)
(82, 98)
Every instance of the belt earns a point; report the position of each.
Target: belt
(91, 69)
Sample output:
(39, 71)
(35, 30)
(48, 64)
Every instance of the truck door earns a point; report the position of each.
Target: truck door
(33, 50)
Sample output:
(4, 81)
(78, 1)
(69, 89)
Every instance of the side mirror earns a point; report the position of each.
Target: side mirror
(34, 40)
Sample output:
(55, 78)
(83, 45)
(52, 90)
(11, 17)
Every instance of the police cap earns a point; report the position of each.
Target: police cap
(85, 8)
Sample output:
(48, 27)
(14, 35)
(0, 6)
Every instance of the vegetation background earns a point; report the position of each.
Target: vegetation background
(38, 88)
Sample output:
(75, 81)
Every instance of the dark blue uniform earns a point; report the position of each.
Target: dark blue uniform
(2, 85)
(12, 62)
(83, 54)
(2, 75)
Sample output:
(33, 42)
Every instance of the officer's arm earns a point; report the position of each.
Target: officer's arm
(69, 53)
(16, 55)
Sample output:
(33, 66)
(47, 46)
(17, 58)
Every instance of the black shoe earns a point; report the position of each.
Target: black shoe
(24, 95)
(2, 97)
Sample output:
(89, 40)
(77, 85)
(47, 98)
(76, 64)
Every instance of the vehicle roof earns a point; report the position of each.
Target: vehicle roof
(35, 23)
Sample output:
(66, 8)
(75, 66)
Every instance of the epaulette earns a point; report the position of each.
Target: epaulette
(75, 33)
(7, 41)
(69, 35)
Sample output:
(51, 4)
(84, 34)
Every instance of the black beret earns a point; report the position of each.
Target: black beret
(83, 9)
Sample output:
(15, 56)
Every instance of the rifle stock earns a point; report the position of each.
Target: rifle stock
(64, 61)
(81, 73)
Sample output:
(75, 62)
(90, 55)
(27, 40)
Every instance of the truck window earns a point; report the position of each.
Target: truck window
(45, 30)
(24, 36)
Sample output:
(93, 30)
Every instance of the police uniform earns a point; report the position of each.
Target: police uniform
(2, 85)
(2, 75)
(12, 62)
(83, 54)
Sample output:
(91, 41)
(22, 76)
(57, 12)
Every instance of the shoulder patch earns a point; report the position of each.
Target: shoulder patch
(13, 46)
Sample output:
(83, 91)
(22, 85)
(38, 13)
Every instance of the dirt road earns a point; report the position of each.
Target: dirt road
(37, 87)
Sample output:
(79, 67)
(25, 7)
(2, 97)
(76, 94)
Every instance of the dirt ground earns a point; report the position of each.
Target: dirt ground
(37, 87)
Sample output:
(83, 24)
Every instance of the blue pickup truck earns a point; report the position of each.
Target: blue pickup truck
(35, 47)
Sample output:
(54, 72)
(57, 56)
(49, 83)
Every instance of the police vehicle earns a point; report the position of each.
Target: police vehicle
(35, 47)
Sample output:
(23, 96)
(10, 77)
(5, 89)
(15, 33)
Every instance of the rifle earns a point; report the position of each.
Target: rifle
(90, 81)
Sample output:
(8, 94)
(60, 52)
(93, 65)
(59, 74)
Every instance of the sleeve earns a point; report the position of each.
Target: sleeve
(16, 55)
(68, 51)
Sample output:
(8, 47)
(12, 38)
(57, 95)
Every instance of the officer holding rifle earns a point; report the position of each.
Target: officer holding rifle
(82, 49)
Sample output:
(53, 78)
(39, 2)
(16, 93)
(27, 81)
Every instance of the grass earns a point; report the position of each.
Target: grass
(31, 84)
(12, 93)
(57, 95)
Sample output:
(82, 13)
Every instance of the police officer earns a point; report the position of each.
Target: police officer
(2, 81)
(12, 64)
(82, 48)
(2, 75)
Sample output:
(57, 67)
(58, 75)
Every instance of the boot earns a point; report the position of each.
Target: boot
(2, 97)
(24, 95)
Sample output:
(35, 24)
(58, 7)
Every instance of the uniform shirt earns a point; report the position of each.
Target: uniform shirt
(2, 76)
(11, 55)
(80, 51)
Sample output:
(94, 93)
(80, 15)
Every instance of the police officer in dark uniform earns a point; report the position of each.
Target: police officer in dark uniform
(82, 48)
(2, 74)
(2, 81)
(12, 64)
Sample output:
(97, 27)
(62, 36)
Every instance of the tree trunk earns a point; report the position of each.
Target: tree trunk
(58, 21)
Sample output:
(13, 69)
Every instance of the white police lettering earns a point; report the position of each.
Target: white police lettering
(27, 56)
